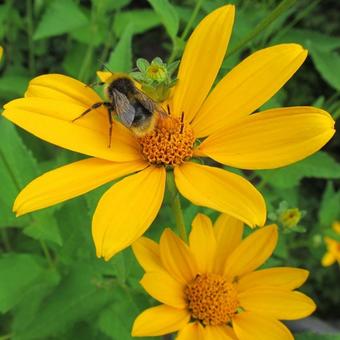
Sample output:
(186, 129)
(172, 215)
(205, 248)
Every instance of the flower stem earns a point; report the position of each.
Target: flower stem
(268, 20)
(191, 20)
(176, 206)
(29, 18)
(5, 239)
(185, 32)
(46, 253)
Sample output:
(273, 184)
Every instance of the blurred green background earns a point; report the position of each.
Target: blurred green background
(51, 284)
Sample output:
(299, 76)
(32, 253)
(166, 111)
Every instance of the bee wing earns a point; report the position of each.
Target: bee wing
(125, 111)
(150, 104)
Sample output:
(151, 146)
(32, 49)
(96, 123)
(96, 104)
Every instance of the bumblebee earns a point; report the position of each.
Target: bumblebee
(134, 108)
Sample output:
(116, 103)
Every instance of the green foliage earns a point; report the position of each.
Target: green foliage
(319, 165)
(52, 286)
(61, 16)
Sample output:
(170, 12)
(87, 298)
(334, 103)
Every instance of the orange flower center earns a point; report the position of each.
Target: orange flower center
(211, 299)
(170, 143)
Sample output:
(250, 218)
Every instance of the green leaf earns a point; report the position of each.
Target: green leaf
(313, 336)
(61, 16)
(109, 5)
(14, 85)
(328, 65)
(17, 168)
(310, 39)
(141, 19)
(319, 165)
(28, 308)
(168, 15)
(121, 57)
(79, 297)
(329, 207)
(18, 272)
(43, 227)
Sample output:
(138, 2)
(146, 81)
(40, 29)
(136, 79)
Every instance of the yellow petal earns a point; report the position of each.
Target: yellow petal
(161, 286)
(277, 303)
(281, 277)
(201, 61)
(250, 326)
(192, 331)
(228, 231)
(271, 138)
(1, 52)
(177, 257)
(59, 86)
(51, 120)
(328, 259)
(218, 332)
(203, 243)
(147, 254)
(221, 190)
(126, 210)
(160, 320)
(104, 75)
(70, 181)
(247, 86)
(252, 252)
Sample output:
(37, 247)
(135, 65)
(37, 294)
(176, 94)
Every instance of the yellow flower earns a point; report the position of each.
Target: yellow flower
(210, 289)
(333, 248)
(290, 217)
(234, 137)
(1, 52)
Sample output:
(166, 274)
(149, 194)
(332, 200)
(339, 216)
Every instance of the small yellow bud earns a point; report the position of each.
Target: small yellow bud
(290, 217)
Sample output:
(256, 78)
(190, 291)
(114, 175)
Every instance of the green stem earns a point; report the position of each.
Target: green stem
(5, 240)
(176, 206)
(300, 15)
(46, 253)
(191, 20)
(185, 32)
(281, 8)
(31, 60)
(83, 73)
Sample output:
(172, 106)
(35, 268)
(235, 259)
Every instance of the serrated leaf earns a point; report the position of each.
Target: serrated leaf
(141, 19)
(168, 15)
(121, 57)
(319, 165)
(328, 65)
(17, 168)
(61, 16)
(78, 297)
(28, 308)
(18, 272)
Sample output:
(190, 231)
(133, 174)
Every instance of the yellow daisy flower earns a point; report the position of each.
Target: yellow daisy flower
(210, 288)
(333, 248)
(234, 137)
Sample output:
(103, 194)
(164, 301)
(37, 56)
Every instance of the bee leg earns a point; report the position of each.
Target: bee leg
(93, 107)
(109, 111)
(96, 83)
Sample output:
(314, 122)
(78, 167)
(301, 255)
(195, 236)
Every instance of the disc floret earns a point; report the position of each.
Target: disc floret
(169, 144)
(211, 299)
